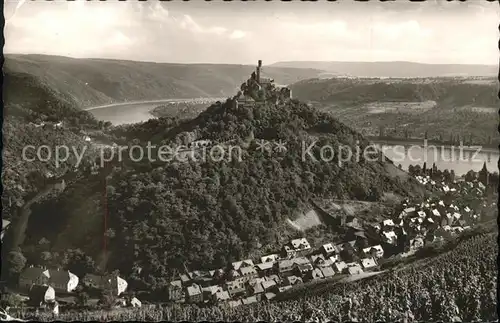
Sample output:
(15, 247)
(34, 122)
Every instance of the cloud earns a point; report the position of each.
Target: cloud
(393, 31)
(195, 32)
(237, 34)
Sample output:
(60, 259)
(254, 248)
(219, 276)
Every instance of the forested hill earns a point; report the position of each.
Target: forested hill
(394, 69)
(90, 82)
(206, 213)
(352, 91)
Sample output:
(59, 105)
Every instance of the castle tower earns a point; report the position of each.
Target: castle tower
(259, 66)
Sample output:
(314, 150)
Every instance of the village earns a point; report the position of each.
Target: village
(411, 227)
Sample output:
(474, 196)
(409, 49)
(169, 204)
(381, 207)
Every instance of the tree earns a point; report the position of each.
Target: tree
(78, 262)
(470, 176)
(483, 175)
(107, 298)
(15, 262)
(82, 297)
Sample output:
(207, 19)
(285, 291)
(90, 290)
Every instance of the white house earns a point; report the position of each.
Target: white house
(376, 250)
(390, 237)
(368, 263)
(61, 280)
(269, 258)
(388, 223)
(300, 244)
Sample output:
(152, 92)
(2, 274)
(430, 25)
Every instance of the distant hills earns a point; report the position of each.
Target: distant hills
(89, 82)
(391, 69)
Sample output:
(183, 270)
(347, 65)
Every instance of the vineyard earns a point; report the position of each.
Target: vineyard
(459, 285)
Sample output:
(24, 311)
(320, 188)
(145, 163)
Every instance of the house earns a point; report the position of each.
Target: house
(258, 280)
(303, 265)
(5, 224)
(209, 291)
(64, 281)
(235, 303)
(39, 295)
(269, 296)
(216, 274)
(269, 258)
(243, 264)
(388, 223)
(255, 289)
(185, 279)
(303, 269)
(318, 260)
(340, 266)
(351, 221)
(416, 243)
(115, 283)
(32, 276)
(275, 278)
(284, 288)
(248, 273)
(285, 267)
(249, 300)
(194, 294)
(368, 263)
(221, 296)
(87, 138)
(233, 275)
(447, 220)
(354, 268)
(314, 274)
(327, 271)
(300, 244)
(333, 259)
(265, 268)
(269, 285)
(293, 280)
(390, 237)
(375, 251)
(175, 291)
(408, 211)
(135, 302)
(327, 249)
(235, 288)
(288, 252)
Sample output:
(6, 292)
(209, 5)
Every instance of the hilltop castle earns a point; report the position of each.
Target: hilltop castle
(260, 89)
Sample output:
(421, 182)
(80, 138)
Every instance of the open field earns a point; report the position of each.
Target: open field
(400, 107)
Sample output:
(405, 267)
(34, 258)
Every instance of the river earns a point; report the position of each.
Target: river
(460, 159)
(138, 111)
(445, 157)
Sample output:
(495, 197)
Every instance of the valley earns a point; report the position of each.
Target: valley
(160, 222)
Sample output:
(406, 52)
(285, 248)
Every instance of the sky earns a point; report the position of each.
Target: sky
(238, 32)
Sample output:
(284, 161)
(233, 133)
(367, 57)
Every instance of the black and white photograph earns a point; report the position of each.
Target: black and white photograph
(244, 161)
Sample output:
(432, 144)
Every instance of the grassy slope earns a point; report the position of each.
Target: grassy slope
(91, 82)
(453, 115)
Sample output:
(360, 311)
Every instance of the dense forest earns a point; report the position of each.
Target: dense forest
(206, 214)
